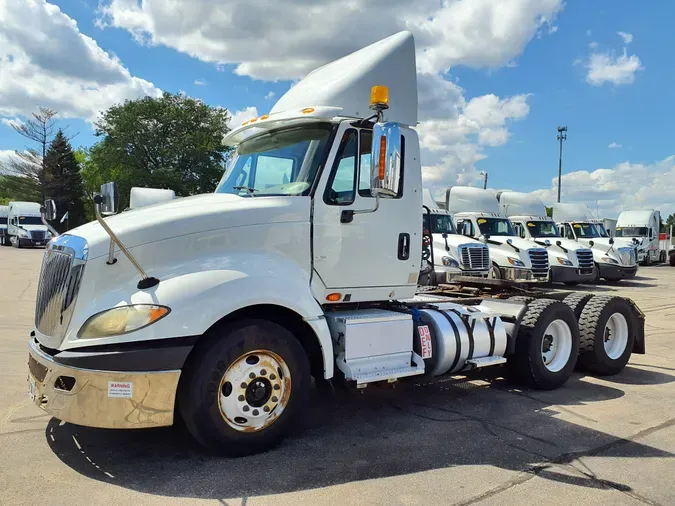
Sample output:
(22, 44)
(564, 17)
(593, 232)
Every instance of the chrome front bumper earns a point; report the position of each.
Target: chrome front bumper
(516, 274)
(104, 399)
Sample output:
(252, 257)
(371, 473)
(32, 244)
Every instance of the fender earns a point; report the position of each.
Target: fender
(200, 293)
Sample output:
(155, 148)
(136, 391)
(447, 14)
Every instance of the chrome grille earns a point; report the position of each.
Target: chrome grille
(585, 257)
(627, 256)
(60, 277)
(474, 256)
(37, 235)
(539, 259)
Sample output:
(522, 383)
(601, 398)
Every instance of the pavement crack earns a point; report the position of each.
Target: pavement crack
(24, 290)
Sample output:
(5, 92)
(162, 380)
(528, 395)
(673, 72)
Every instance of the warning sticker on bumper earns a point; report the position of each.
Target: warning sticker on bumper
(120, 389)
(425, 341)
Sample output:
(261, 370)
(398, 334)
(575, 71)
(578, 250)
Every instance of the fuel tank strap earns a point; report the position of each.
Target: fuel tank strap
(469, 330)
(458, 340)
(491, 329)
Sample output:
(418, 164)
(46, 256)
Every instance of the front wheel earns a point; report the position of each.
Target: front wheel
(607, 334)
(244, 388)
(496, 272)
(547, 344)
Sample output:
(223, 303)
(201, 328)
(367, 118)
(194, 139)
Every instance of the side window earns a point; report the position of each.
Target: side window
(465, 227)
(519, 230)
(568, 231)
(365, 145)
(342, 183)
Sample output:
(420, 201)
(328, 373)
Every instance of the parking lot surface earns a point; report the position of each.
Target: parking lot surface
(476, 440)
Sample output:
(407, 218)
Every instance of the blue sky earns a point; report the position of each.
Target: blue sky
(535, 56)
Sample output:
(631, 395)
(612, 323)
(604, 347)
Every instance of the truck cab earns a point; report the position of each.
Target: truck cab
(642, 227)
(615, 259)
(25, 226)
(570, 262)
(4, 239)
(450, 255)
(476, 215)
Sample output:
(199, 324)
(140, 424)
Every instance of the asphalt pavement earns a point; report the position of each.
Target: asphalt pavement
(460, 440)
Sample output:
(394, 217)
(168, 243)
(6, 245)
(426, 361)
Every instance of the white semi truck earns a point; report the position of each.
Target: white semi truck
(4, 239)
(615, 259)
(570, 262)
(642, 227)
(220, 308)
(476, 215)
(25, 226)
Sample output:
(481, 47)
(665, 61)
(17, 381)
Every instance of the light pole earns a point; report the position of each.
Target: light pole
(561, 137)
(484, 174)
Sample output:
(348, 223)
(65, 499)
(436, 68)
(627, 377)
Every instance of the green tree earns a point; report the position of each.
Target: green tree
(549, 212)
(670, 222)
(173, 141)
(64, 182)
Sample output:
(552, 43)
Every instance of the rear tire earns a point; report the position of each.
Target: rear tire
(607, 335)
(662, 257)
(522, 298)
(547, 344)
(577, 302)
(244, 388)
(672, 259)
(496, 272)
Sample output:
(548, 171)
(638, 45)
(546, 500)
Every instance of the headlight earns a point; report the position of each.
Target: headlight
(23, 233)
(609, 260)
(48, 234)
(516, 262)
(565, 262)
(120, 320)
(450, 262)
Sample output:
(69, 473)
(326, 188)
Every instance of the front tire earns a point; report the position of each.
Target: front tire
(607, 335)
(496, 272)
(547, 344)
(244, 388)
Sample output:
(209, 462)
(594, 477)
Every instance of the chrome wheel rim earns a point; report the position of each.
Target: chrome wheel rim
(556, 345)
(254, 391)
(615, 337)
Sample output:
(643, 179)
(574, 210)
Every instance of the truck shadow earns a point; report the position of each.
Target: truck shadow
(374, 433)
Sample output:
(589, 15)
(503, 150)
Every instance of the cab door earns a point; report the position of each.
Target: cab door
(375, 252)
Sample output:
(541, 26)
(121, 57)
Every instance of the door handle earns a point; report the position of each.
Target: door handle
(403, 246)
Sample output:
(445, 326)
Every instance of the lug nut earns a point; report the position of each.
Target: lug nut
(245, 408)
(241, 398)
(252, 375)
(266, 409)
(276, 387)
(243, 385)
(255, 412)
(274, 399)
(263, 372)
(273, 377)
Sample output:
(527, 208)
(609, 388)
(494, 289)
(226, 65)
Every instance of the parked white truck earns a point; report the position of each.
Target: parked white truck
(25, 226)
(615, 259)
(220, 308)
(4, 239)
(642, 227)
(476, 215)
(570, 262)
(606, 226)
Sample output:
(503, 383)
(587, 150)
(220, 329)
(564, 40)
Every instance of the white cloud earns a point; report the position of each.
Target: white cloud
(11, 122)
(627, 37)
(627, 185)
(606, 68)
(593, 45)
(270, 95)
(476, 33)
(46, 61)
(200, 82)
(238, 117)
(614, 145)
(5, 156)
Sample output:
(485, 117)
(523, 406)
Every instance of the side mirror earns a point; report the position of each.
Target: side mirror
(611, 240)
(558, 243)
(591, 243)
(49, 210)
(385, 171)
(509, 241)
(110, 198)
(445, 235)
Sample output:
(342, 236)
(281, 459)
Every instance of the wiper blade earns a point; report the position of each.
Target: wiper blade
(251, 191)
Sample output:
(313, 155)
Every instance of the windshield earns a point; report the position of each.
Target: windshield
(495, 226)
(631, 232)
(438, 224)
(30, 220)
(586, 230)
(542, 229)
(280, 162)
(602, 230)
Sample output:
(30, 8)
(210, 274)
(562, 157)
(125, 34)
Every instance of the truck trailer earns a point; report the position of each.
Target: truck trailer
(219, 309)
(4, 239)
